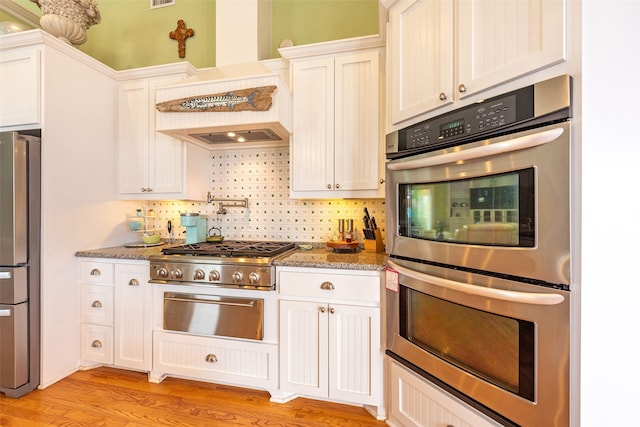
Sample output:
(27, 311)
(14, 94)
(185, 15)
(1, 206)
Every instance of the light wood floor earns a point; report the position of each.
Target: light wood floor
(115, 398)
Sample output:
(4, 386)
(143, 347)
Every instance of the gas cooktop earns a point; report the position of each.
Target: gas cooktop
(231, 248)
(235, 263)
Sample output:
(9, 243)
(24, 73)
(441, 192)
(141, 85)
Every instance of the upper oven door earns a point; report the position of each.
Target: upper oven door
(500, 205)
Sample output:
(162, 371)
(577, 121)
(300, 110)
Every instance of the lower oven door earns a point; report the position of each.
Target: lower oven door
(233, 317)
(504, 344)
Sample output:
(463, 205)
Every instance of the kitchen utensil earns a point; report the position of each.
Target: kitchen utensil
(150, 238)
(373, 223)
(215, 238)
(366, 214)
(189, 219)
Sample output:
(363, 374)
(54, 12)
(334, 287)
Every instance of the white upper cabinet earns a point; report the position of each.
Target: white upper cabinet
(20, 87)
(336, 147)
(420, 57)
(152, 165)
(443, 51)
(501, 40)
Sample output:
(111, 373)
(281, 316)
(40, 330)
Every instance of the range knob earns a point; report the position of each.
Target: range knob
(176, 273)
(214, 276)
(254, 278)
(162, 272)
(237, 277)
(198, 274)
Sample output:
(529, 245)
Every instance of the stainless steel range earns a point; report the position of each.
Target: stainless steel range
(233, 264)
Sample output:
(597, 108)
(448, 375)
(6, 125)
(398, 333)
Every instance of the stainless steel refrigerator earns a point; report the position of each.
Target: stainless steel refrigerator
(19, 263)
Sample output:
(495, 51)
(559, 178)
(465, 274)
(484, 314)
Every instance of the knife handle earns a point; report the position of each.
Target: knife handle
(373, 223)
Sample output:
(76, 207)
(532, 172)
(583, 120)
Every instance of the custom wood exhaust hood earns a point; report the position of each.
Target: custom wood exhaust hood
(242, 103)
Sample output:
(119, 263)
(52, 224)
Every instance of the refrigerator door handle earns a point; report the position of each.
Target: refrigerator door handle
(5, 312)
(5, 275)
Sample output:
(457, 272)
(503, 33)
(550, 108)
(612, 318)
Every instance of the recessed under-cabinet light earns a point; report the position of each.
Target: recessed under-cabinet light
(162, 3)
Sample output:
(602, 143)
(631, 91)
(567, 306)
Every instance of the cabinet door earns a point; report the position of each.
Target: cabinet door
(20, 87)
(132, 317)
(421, 49)
(149, 163)
(354, 353)
(357, 137)
(501, 40)
(313, 125)
(167, 162)
(303, 348)
(133, 141)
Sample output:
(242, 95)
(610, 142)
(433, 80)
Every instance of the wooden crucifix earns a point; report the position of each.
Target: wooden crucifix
(181, 33)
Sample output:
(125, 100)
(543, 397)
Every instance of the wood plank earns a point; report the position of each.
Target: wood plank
(120, 398)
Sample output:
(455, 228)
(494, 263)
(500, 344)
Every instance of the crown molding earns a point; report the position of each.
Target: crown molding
(20, 12)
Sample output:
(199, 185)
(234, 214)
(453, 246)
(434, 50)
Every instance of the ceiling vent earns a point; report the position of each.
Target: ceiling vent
(162, 3)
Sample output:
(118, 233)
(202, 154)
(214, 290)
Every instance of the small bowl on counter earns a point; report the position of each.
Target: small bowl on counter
(150, 239)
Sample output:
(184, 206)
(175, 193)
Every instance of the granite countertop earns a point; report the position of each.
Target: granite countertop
(318, 257)
(122, 252)
(323, 257)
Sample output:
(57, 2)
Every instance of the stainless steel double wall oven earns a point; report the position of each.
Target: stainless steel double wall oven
(478, 230)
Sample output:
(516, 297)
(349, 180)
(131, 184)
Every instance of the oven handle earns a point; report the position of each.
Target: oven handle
(501, 294)
(506, 146)
(208, 301)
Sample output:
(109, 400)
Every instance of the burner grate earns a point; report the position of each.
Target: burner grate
(236, 248)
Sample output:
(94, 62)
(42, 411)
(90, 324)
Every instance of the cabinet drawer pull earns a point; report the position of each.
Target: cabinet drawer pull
(462, 88)
(327, 286)
(332, 310)
(95, 272)
(337, 186)
(96, 344)
(329, 186)
(211, 358)
(134, 282)
(443, 96)
(323, 309)
(96, 304)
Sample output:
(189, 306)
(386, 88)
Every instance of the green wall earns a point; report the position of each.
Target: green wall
(132, 35)
(313, 21)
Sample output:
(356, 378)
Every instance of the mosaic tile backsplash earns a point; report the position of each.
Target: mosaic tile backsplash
(262, 176)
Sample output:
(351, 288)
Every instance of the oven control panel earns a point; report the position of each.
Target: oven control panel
(476, 119)
(486, 118)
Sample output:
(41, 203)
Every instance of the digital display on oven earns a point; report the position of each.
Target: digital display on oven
(452, 125)
(452, 128)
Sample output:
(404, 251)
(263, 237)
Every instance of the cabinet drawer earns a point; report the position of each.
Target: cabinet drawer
(97, 304)
(339, 286)
(235, 362)
(97, 272)
(97, 343)
(410, 394)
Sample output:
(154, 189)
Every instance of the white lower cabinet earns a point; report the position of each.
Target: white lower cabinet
(238, 362)
(116, 314)
(96, 299)
(415, 402)
(133, 317)
(330, 342)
